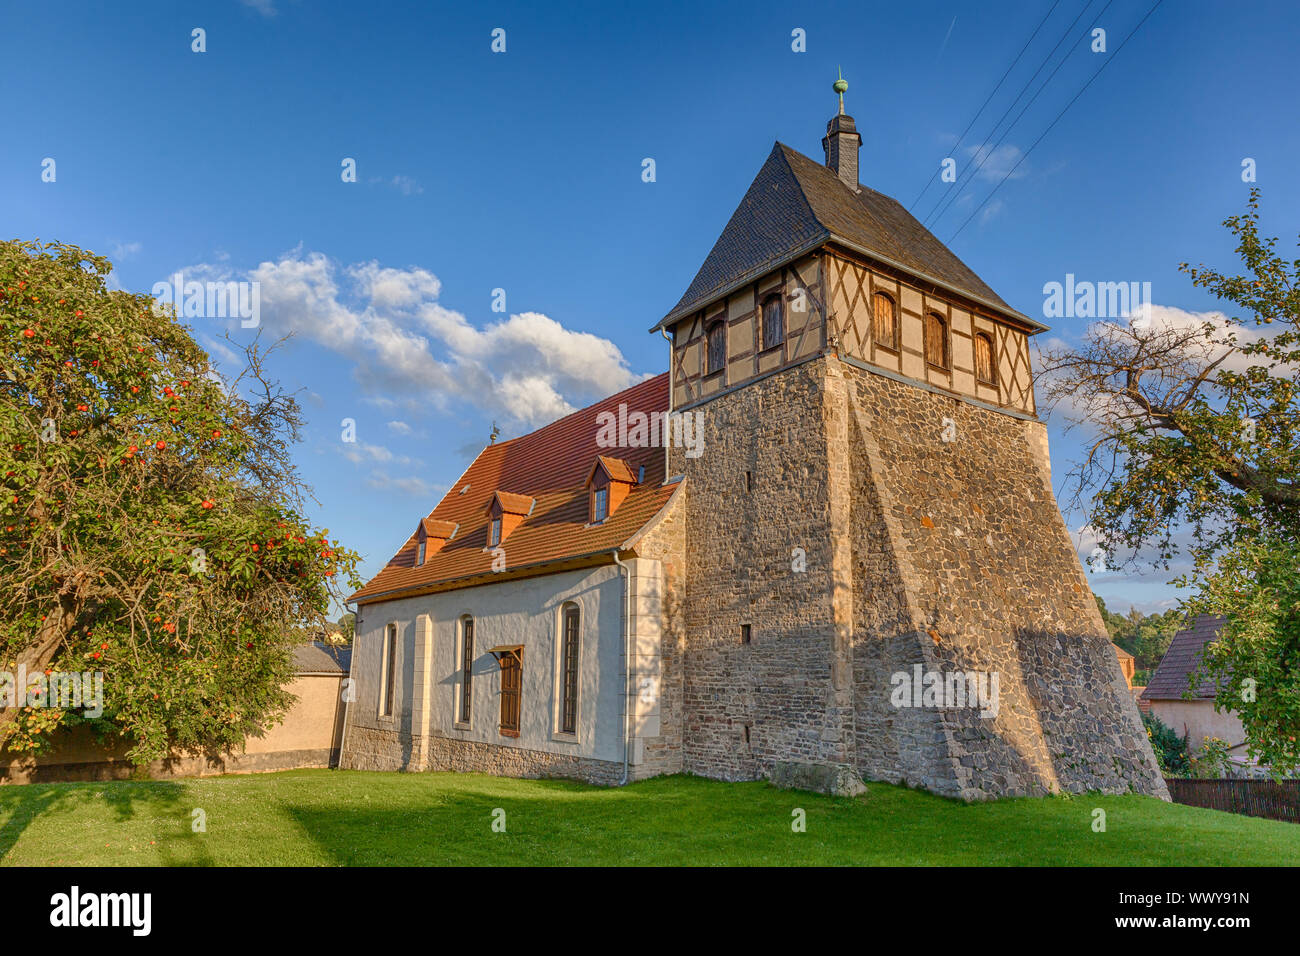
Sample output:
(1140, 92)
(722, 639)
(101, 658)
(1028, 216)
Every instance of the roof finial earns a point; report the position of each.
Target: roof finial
(840, 86)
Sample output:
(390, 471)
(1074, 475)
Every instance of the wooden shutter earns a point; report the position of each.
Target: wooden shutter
(717, 342)
(885, 321)
(511, 681)
(985, 371)
(773, 322)
(936, 340)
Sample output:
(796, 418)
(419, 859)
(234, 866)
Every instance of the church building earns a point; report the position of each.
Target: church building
(821, 547)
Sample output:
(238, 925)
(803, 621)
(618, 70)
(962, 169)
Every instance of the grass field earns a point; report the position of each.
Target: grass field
(329, 818)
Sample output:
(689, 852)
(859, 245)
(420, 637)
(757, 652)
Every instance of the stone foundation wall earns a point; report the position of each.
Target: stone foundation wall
(468, 756)
(370, 749)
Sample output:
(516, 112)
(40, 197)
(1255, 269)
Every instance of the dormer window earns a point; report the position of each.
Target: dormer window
(608, 483)
(430, 536)
(505, 512)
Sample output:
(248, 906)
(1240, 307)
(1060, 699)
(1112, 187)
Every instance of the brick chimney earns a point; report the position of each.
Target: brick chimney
(842, 142)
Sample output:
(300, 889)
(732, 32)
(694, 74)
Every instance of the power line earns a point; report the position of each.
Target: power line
(988, 98)
(930, 216)
(1103, 66)
(986, 153)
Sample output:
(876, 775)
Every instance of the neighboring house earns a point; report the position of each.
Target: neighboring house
(855, 491)
(309, 736)
(1127, 663)
(1192, 715)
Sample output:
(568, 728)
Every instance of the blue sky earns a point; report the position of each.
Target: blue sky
(522, 171)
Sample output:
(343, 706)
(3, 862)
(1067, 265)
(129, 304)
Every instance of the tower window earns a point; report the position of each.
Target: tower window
(936, 340)
(717, 347)
(985, 370)
(773, 322)
(746, 633)
(419, 554)
(599, 504)
(494, 533)
(884, 321)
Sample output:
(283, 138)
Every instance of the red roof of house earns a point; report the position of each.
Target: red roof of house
(549, 465)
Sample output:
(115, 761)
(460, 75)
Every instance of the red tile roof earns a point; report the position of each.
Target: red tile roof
(551, 466)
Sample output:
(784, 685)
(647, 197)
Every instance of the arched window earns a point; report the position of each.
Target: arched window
(985, 370)
(717, 347)
(570, 635)
(936, 340)
(388, 672)
(884, 320)
(466, 666)
(773, 321)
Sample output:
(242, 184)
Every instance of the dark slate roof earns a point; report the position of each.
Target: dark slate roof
(317, 658)
(795, 205)
(1169, 682)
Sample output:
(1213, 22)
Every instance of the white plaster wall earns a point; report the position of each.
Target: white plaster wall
(526, 612)
(1198, 720)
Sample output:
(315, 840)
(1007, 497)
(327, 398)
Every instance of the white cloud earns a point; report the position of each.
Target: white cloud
(125, 250)
(412, 352)
(357, 452)
(411, 485)
(997, 163)
(399, 428)
(406, 185)
(265, 7)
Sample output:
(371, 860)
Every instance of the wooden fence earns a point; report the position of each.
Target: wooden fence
(1253, 798)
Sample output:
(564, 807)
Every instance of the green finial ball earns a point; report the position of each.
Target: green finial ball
(841, 85)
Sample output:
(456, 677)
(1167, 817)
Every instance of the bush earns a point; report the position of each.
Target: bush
(1171, 751)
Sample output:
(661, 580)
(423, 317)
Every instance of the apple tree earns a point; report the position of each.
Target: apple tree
(151, 517)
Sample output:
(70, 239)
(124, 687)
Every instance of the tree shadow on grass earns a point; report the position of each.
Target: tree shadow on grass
(561, 823)
(22, 804)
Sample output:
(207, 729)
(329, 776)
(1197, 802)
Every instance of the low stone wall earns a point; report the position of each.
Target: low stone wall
(30, 771)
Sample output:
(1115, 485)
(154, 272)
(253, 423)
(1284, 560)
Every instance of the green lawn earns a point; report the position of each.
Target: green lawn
(322, 817)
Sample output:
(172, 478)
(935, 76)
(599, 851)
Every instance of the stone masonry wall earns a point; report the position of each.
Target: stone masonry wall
(757, 508)
(963, 563)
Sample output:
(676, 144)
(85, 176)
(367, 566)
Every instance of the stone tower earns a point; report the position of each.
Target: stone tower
(878, 580)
